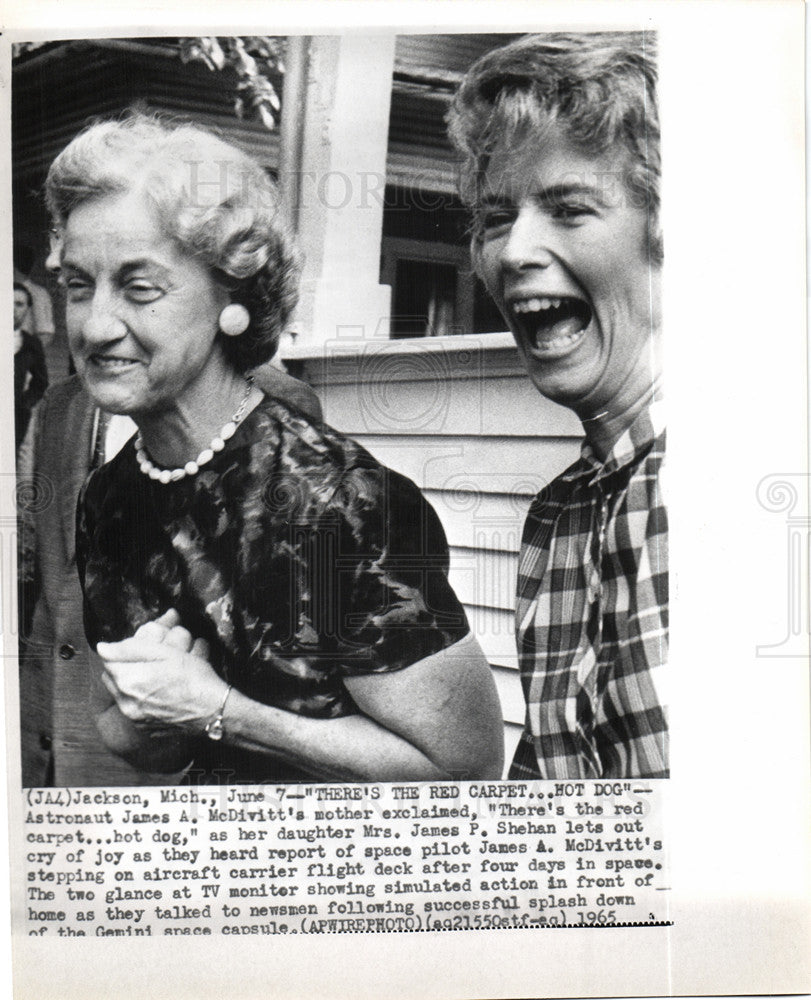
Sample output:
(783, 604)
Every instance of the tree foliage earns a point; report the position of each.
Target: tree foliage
(254, 59)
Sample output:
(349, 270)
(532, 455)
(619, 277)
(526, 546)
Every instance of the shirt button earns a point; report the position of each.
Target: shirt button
(67, 652)
(45, 741)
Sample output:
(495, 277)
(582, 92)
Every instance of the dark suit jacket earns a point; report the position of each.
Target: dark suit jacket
(60, 688)
(29, 367)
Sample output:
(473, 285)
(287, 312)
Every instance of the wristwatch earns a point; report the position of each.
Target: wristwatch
(214, 728)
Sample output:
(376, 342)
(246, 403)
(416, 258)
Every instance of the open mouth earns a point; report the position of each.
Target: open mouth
(550, 325)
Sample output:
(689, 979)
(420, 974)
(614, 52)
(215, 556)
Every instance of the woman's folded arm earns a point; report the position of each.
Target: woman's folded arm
(438, 719)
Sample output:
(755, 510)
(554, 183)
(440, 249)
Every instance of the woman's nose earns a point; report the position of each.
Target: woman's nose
(102, 323)
(529, 242)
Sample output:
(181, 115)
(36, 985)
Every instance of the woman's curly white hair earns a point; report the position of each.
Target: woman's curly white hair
(216, 201)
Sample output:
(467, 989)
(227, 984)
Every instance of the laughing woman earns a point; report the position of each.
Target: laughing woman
(269, 602)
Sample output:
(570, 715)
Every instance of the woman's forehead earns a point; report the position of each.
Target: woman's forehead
(125, 222)
(549, 159)
(116, 229)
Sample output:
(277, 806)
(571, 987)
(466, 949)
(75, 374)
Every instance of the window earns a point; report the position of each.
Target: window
(425, 259)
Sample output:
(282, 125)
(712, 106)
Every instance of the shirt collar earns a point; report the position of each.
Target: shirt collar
(634, 442)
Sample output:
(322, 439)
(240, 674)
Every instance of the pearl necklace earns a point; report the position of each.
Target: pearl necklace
(192, 468)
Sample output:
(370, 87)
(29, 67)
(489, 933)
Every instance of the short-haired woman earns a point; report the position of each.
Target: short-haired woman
(270, 603)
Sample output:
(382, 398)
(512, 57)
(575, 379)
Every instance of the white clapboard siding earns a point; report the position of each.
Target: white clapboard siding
(484, 578)
(461, 462)
(465, 515)
(495, 631)
(504, 407)
(461, 419)
(511, 695)
(483, 522)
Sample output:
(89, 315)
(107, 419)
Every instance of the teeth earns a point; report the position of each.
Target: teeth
(113, 362)
(536, 305)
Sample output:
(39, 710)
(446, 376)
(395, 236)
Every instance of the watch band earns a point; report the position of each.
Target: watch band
(214, 728)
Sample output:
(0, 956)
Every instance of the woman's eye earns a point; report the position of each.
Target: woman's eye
(77, 290)
(496, 218)
(572, 212)
(143, 291)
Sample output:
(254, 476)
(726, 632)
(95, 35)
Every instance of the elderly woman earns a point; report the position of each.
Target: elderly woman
(269, 602)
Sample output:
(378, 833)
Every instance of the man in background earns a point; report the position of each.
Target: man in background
(30, 372)
(39, 321)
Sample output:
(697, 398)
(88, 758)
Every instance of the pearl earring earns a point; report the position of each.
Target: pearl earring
(234, 320)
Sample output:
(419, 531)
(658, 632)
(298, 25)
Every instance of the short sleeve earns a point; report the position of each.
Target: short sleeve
(393, 603)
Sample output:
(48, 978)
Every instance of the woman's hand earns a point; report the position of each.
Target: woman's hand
(161, 677)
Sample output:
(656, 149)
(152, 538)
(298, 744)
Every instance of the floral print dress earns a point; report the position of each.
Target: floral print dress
(294, 553)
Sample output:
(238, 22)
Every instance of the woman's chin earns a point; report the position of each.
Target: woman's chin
(110, 400)
(112, 393)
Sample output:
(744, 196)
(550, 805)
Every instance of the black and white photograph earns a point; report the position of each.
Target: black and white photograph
(404, 526)
(283, 571)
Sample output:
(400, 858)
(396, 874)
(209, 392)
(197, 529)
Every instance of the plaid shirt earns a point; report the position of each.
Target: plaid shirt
(591, 616)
